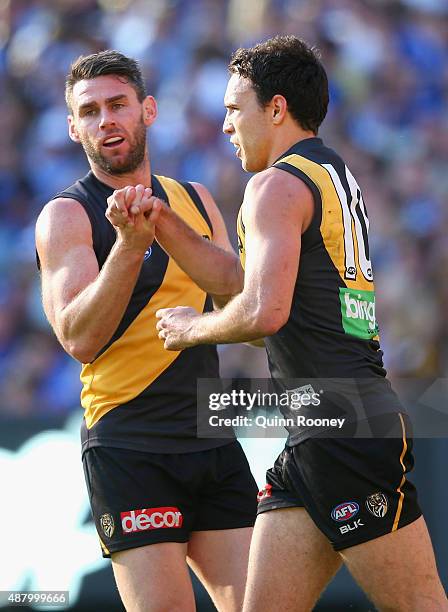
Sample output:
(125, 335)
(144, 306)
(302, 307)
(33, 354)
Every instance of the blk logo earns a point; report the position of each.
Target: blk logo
(352, 527)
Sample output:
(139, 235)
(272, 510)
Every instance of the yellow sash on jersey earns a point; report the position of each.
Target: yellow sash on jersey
(137, 358)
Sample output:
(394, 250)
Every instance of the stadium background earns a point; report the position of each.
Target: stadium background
(388, 67)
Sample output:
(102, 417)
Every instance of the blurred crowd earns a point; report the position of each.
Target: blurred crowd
(388, 66)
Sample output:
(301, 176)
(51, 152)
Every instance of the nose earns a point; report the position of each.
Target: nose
(227, 126)
(106, 119)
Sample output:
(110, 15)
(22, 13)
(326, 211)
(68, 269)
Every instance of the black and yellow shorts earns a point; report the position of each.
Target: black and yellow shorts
(354, 489)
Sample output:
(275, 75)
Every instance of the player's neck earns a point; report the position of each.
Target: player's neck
(141, 175)
(285, 140)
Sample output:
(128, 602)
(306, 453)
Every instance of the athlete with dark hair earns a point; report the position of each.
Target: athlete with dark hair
(308, 289)
(159, 494)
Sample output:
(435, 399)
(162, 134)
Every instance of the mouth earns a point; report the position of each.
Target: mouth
(238, 149)
(112, 142)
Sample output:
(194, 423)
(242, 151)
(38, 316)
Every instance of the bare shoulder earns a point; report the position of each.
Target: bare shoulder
(62, 223)
(62, 211)
(278, 181)
(274, 190)
(220, 236)
(207, 199)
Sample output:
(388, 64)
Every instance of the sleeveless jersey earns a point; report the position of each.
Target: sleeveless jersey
(137, 395)
(331, 332)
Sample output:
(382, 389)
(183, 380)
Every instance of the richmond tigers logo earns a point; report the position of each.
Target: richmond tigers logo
(377, 504)
(107, 524)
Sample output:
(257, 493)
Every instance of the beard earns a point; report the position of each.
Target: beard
(131, 162)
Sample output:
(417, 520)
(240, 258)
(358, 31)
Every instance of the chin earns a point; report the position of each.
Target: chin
(121, 168)
(120, 164)
(250, 166)
(247, 165)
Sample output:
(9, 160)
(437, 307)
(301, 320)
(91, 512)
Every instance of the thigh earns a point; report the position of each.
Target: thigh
(219, 559)
(290, 562)
(154, 578)
(136, 498)
(398, 570)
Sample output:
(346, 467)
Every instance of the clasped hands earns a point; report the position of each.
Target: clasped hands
(133, 207)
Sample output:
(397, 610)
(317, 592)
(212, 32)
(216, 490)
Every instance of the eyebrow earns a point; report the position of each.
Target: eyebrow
(87, 105)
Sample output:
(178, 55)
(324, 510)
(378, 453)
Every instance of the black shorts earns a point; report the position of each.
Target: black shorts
(354, 489)
(140, 498)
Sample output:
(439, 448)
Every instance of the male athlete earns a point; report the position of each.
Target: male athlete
(159, 495)
(308, 288)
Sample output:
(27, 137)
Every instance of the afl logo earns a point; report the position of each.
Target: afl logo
(377, 504)
(345, 511)
(107, 524)
(148, 254)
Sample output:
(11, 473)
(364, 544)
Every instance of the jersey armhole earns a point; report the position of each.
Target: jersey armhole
(197, 202)
(317, 200)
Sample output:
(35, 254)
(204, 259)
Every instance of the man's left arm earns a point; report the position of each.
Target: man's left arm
(277, 209)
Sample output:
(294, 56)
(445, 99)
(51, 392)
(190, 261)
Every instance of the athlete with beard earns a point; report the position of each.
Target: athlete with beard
(160, 496)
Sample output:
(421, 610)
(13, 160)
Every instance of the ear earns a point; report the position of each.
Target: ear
(72, 131)
(279, 109)
(149, 110)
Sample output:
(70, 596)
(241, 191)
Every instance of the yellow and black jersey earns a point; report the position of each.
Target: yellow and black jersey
(135, 394)
(332, 330)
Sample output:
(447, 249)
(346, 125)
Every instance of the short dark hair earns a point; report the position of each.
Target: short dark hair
(288, 66)
(100, 64)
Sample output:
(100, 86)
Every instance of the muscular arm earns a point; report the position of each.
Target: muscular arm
(85, 305)
(277, 209)
(213, 266)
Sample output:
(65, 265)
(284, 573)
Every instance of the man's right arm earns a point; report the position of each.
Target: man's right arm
(84, 304)
(212, 265)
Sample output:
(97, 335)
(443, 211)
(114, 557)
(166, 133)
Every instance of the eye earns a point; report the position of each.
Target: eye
(89, 113)
(117, 105)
